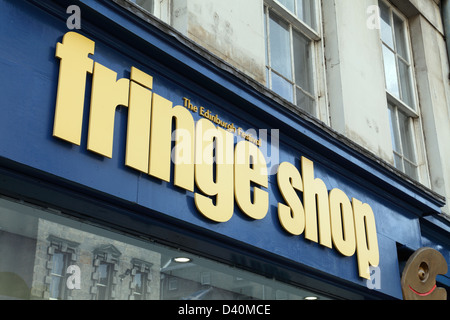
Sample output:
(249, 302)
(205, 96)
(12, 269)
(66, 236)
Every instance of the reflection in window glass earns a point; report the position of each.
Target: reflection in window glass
(24, 265)
(59, 265)
(137, 281)
(104, 271)
(104, 281)
(139, 285)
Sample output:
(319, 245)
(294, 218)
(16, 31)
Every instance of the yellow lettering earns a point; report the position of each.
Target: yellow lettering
(250, 168)
(292, 215)
(189, 105)
(204, 155)
(342, 226)
(315, 190)
(217, 203)
(366, 238)
(161, 143)
(139, 116)
(107, 94)
(74, 65)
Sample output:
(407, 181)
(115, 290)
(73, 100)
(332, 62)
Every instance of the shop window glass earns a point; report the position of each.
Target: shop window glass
(34, 264)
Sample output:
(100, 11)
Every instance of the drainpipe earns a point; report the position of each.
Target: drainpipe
(445, 9)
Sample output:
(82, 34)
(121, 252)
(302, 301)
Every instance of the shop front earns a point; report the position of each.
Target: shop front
(134, 166)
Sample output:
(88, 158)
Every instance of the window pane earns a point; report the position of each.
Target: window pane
(390, 70)
(138, 282)
(410, 169)
(400, 37)
(103, 272)
(406, 86)
(407, 137)
(282, 87)
(302, 62)
(306, 13)
(305, 102)
(386, 28)
(394, 130)
(58, 264)
(289, 4)
(54, 288)
(399, 162)
(280, 48)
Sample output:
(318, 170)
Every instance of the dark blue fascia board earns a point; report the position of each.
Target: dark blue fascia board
(177, 52)
(440, 225)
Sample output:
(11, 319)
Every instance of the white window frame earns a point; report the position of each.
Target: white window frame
(320, 104)
(412, 112)
(308, 31)
(161, 8)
